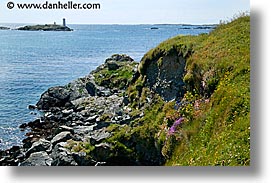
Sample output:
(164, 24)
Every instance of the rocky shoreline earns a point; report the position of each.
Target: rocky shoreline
(76, 113)
(100, 119)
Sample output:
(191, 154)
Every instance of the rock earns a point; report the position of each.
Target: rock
(4, 28)
(102, 152)
(37, 159)
(104, 93)
(27, 143)
(35, 124)
(164, 73)
(67, 112)
(84, 130)
(54, 97)
(85, 113)
(61, 137)
(41, 145)
(24, 125)
(91, 88)
(62, 156)
(78, 89)
(119, 58)
(92, 118)
(64, 128)
(10, 156)
(31, 107)
(98, 136)
(112, 65)
(82, 159)
(125, 101)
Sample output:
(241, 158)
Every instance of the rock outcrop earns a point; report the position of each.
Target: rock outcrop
(164, 73)
(4, 28)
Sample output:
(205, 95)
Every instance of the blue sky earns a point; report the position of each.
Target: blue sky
(129, 12)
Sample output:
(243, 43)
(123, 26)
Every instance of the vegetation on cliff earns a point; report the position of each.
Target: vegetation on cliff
(209, 124)
(219, 70)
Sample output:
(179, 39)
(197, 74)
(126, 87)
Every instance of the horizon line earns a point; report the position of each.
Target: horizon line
(183, 24)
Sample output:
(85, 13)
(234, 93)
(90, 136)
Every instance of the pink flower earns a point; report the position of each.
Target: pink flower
(173, 128)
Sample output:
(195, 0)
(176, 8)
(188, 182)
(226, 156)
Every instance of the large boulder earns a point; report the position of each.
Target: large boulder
(37, 159)
(61, 137)
(41, 145)
(62, 156)
(54, 97)
(63, 96)
(119, 58)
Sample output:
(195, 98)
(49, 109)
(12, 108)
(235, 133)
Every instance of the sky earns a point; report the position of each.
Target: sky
(129, 12)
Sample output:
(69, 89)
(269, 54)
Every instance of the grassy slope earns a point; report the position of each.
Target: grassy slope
(220, 128)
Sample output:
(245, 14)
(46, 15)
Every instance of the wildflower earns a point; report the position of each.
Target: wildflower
(173, 128)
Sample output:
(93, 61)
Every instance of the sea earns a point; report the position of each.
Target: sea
(33, 61)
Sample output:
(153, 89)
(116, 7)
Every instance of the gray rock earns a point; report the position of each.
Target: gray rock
(37, 159)
(84, 130)
(166, 78)
(64, 128)
(119, 58)
(85, 113)
(41, 145)
(92, 118)
(54, 97)
(102, 152)
(98, 136)
(62, 156)
(112, 65)
(67, 112)
(61, 137)
(91, 88)
(31, 107)
(83, 160)
(105, 93)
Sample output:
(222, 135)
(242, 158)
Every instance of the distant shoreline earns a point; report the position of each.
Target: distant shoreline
(53, 27)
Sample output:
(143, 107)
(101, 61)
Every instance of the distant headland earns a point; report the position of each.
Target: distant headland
(4, 28)
(47, 27)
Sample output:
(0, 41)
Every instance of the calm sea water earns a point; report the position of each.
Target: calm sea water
(31, 62)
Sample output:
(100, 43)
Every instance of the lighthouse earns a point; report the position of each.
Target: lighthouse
(64, 22)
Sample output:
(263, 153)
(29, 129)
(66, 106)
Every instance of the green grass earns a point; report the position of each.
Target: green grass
(222, 127)
(119, 78)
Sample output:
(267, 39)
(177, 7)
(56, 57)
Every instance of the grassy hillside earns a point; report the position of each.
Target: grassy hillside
(219, 73)
(215, 110)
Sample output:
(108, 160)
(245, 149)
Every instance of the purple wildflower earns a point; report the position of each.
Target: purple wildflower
(174, 126)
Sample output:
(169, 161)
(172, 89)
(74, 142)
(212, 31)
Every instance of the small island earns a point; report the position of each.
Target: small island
(4, 28)
(46, 27)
